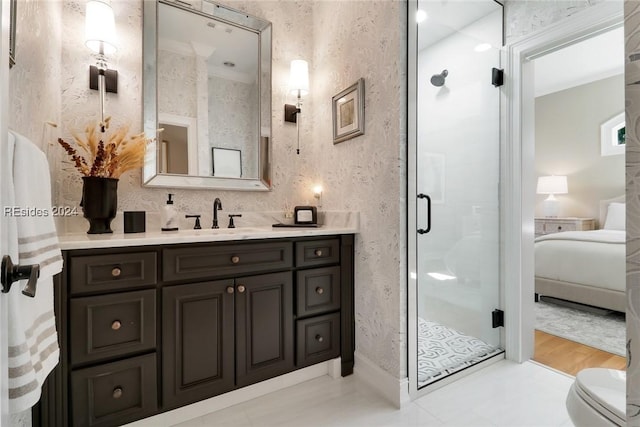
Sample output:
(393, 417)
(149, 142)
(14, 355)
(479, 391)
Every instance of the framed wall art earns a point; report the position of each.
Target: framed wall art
(227, 162)
(348, 112)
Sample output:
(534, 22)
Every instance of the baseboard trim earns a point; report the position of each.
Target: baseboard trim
(235, 397)
(395, 390)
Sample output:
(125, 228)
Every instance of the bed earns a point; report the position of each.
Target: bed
(587, 267)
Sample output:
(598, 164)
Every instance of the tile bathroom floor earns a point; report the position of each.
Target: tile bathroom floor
(503, 394)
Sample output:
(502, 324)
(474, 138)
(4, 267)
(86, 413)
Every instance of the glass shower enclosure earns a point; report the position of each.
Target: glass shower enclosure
(454, 186)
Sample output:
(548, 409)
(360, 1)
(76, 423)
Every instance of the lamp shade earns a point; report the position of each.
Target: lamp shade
(299, 77)
(100, 27)
(552, 185)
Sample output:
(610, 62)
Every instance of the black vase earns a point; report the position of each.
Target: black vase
(99, 203)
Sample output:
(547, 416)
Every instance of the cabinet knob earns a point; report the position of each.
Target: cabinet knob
(116, 325)
(319, 338)
(559, 227)
(241, 288)
(116, 272)
(235, 259)
(318, 252)
(117, 393)
(230, 289)
(319, 290)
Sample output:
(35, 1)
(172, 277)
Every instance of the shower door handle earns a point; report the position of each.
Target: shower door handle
(428, 229)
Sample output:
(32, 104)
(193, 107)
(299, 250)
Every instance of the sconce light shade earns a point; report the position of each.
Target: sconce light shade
(299, 85)
(100, 27)
(552, 185)
(299, 77)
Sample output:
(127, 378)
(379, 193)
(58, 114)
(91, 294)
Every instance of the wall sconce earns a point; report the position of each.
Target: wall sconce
(552, 185)
(317, 193)
(299, 85)
(100, 37)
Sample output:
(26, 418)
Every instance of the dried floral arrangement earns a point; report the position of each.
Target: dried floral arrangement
(106, 157)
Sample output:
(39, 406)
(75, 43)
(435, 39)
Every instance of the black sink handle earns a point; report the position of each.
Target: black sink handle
(196, 226)
(231, 216)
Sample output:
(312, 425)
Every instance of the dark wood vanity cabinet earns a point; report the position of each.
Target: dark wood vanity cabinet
(148, 329)
(198, 342)
(225, 334)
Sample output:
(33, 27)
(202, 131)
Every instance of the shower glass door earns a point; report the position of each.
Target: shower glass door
(454, 175)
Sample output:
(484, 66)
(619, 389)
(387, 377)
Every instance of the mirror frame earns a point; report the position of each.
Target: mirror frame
(150, 175)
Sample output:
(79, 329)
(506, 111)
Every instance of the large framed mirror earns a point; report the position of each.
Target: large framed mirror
(206, 89)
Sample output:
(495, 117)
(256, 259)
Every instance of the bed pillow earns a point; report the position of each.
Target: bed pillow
(615, 217)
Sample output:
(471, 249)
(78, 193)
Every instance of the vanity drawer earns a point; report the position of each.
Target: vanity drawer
(112, 325)
(318, 339)
(203, 262)
(318, 291)
(317, 252)
(96, 273)
(114, 393)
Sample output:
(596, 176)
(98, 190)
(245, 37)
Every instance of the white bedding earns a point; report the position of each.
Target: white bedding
(593, 258)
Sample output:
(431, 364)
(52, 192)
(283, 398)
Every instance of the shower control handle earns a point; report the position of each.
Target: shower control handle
(428, 229)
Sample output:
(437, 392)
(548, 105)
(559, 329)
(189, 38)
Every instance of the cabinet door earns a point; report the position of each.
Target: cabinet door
(198, 337)
(264, 327)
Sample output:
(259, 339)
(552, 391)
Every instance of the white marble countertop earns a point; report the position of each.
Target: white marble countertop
(92, 241)
(332, 223)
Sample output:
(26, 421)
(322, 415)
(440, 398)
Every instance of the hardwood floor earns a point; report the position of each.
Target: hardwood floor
(571, 357)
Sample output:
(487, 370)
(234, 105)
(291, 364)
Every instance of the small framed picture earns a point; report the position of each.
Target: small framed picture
(348, 112)
(227, 162)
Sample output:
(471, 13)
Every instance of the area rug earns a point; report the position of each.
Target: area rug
(601, 329)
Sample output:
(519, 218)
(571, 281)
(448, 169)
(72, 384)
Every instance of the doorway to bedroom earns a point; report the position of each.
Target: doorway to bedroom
(579, 251)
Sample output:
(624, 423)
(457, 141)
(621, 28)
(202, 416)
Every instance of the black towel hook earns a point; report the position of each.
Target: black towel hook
(10, 273)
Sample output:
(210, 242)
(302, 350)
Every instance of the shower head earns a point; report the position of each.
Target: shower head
(438, 79)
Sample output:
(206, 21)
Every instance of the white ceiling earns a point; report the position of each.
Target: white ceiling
(593, 59)
(445, 17)
(189, 33)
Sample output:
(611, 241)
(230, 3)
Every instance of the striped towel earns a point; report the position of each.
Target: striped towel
(33, 340)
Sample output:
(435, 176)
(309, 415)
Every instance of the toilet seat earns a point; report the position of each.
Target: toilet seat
(604, 390)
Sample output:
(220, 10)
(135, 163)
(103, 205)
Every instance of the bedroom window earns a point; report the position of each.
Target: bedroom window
(612, 136)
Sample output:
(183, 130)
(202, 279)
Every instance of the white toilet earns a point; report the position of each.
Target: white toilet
(598, 398)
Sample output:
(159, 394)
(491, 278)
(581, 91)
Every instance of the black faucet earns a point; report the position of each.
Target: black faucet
(217, 204)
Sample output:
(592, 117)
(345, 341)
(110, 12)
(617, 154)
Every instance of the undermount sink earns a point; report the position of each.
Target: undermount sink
(237, 230)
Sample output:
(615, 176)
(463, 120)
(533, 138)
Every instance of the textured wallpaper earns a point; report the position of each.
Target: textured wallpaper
(34, 82)
(354, 39)
(177, 83)
(34, 86)
(233, 112)
(526, 16)
(632, 98)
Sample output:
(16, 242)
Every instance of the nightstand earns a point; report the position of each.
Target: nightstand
(554, 225)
